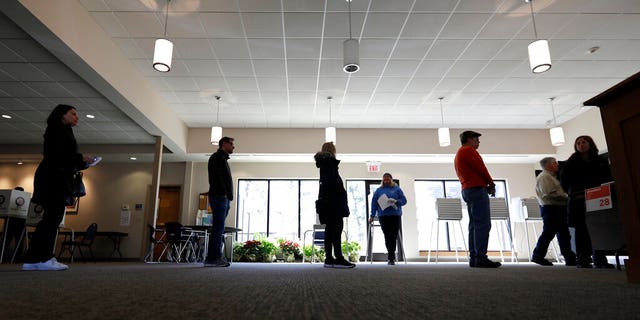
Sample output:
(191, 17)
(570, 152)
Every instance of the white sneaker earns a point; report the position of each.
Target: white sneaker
(49, 265)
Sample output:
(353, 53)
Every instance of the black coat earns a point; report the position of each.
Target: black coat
(61, 160)
(579, 174)
(332, 197)
(220, 182)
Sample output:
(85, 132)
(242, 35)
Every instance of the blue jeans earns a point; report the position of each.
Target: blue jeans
(220, 207)
(477, 200)
(554, 220)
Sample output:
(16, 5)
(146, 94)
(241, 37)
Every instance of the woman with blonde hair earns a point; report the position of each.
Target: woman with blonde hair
(388, 213)
(332, 206)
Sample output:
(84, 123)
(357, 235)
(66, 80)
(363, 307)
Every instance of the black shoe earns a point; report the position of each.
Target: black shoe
(219, 263)
(341, 263)
(391, 263)
(486, 264)
(570, 263)
(329, 263)
(584, 265)
(604, 266)
(541, 261)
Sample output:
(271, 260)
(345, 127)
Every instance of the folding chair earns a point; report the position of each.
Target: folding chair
(181, 241)
(448, 210)
(85, 241)
(317, 239)
(155, 242)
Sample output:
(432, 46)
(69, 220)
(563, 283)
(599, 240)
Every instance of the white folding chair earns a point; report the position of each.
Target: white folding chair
(532, 216)
(500, 213)
(317, 239)
(449, 210)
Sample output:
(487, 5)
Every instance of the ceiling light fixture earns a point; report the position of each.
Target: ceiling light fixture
(6, 116)
(90, 116)
(330, 131)
(443, 132)
(163, 50)
(556, 133)
(216, 131)
(539, 56)
(351, 48)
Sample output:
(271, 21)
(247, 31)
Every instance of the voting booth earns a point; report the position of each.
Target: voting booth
(603, 220)
(14, 203)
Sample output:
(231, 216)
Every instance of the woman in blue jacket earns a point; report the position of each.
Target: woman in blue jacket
(388, 210)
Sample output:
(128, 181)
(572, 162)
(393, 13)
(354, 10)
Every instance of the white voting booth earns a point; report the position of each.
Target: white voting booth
(14, 204)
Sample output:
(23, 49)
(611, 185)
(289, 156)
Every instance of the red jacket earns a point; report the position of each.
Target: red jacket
(470, 169)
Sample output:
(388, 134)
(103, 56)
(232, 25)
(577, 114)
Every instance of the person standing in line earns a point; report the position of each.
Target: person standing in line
(583, 170)
(220, 194)
(61, 160)
(390, 216)
(553, 209)
(477, 185)
(332, 206)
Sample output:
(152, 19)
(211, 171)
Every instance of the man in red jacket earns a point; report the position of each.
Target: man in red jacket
(477, 185)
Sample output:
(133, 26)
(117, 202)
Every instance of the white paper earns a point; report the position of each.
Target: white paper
(383, 202)
(125, 217)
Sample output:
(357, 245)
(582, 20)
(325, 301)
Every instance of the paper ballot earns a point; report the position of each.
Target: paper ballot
(383, 202)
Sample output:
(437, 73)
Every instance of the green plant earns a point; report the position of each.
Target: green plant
(351, 249)
(319, 253)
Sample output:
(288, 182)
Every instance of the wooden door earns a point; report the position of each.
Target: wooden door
(168, 211)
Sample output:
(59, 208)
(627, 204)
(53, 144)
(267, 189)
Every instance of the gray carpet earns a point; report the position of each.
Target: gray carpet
(304, 291)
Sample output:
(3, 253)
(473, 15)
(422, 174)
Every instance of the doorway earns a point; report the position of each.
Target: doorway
(375, 242)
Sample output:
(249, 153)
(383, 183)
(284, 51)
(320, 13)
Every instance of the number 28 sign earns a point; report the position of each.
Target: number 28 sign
(598, 198)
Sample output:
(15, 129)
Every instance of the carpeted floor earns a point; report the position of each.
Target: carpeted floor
(304, 291)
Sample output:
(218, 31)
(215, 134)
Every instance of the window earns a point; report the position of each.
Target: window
(276, 208)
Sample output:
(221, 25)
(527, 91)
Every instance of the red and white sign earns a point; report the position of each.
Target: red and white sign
(373, 166)
(598, 198)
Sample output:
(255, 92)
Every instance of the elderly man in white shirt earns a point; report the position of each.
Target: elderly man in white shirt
(553, 209)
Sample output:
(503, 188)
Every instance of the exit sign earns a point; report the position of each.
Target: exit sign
(373, 166)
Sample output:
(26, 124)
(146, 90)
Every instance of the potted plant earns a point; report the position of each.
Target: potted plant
(267, 250)
(290, 250)
(351, 249)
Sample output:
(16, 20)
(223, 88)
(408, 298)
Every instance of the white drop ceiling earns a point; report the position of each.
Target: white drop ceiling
(275, 62)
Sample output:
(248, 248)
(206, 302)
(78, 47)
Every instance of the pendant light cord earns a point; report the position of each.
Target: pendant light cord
(553, 112)
(218, 111)
(441, 111)
(330, 107)
(535, 32)
(350, 37)
(166, 17)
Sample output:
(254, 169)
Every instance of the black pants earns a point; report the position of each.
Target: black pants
(333, 237)
(44, 238)
(577, 219)
(390, 227)
(554, 219)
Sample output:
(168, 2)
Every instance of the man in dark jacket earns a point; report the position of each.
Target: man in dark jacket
(220, 194)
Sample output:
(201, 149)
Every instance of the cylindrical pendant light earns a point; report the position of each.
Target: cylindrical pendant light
(539, 55)
(216, 131)
(351, 59)
(351, 51)
(443, 133)
(557, 136)
(216, 135)
(330, 134)
(163, 50)
(556, 133)
(330, 131)
(162, 55)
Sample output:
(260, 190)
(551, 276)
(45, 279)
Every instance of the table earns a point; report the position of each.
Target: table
(114, 236)
(227, 233)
